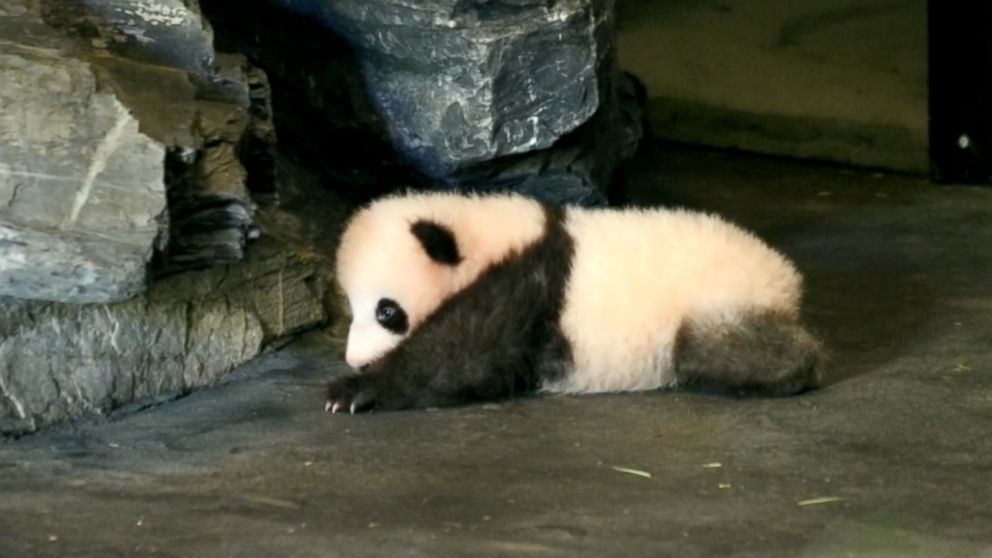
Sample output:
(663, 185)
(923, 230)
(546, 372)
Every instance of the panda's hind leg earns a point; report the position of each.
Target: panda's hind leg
(759, 353)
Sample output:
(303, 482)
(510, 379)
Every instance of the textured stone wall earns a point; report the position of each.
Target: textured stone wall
(59, 361)
(126, 145)
(82, 195)
(111, 109)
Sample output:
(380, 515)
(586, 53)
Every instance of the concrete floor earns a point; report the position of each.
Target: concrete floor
(898, 276)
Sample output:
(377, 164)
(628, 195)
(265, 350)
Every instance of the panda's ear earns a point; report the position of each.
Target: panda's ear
(438, 242)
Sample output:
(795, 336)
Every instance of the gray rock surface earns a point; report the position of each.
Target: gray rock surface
(466, 82)
(170, 33)
(59, 361)
(122, 134)
(81, 188)
(581, 167)
(111, 109)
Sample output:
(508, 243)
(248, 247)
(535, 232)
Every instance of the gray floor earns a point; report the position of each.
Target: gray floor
(899, 283)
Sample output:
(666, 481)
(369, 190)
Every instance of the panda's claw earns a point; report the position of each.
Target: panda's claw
(353, 394)
(327, 407)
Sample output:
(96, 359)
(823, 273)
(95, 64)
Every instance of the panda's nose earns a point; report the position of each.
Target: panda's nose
(354, 364)
(357, 362)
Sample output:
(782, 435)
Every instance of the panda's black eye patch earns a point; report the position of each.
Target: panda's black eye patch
(391, 316)
(438, 241)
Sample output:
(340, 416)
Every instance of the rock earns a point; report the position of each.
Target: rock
(59, 361)
(473, 94)
(465, 82)
(112, 109)
(81, 188)
(577, 170)
(201, 121)
(168, 33)
(121, 141)
(320, 101)
(259, 143)
(278, 283)
(210, 208)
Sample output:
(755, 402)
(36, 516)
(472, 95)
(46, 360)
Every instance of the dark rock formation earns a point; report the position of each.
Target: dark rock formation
(319, 97)
(210, 207)
(521, 94)
(460, 82)
(581, 168)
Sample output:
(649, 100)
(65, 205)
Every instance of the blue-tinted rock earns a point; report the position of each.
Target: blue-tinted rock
(472, 94)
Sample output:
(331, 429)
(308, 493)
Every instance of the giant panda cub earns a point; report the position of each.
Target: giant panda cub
(458, 298)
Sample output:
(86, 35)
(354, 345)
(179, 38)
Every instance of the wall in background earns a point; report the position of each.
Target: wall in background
(838, 81)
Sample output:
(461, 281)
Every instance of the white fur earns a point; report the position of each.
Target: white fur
(637, 275)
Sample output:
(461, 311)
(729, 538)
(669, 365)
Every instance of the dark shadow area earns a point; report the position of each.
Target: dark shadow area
(323, 115)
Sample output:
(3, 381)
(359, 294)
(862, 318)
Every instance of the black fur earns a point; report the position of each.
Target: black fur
(498, 338)
(762, 354)
(438, 241)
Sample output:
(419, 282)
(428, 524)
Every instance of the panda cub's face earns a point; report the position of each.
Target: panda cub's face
(377, 327)
(394, 275)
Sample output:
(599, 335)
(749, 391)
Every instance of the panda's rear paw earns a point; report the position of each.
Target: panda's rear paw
(352, 394)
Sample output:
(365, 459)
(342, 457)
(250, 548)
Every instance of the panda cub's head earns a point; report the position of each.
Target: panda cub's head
(395, 270)
(403, 256)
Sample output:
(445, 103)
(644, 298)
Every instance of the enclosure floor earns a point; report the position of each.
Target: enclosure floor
(899, 283)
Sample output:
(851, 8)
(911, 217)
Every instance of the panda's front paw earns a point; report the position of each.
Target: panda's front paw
(352, 394)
